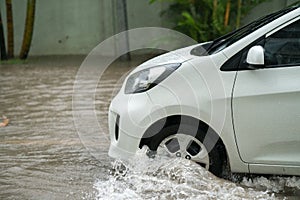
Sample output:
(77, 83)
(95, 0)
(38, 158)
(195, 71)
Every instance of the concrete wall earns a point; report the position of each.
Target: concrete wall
(265, 8)
(62, 26)
(77, 26)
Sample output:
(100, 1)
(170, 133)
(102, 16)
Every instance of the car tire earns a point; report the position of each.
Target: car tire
(173, 135)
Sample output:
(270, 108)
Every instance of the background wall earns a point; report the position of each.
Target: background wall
(267, 7)
(76, 26)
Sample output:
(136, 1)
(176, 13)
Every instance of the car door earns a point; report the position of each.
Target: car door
(266, 102)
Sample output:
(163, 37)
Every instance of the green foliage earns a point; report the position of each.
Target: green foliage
(205, 20)
(13, 62)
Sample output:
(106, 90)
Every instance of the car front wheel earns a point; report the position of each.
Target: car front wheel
(200, 147)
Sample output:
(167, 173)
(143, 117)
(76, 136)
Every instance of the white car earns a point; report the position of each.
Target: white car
(233, 103)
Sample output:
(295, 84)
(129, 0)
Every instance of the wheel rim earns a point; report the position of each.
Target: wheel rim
(185, 146)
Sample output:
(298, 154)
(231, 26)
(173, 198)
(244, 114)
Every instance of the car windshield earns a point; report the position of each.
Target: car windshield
(224, 41)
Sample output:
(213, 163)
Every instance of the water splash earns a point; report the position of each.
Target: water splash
(164, 178)
(277, 184)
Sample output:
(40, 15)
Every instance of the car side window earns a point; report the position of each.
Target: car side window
(283, 47)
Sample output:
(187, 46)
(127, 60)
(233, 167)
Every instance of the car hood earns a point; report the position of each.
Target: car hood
(177, 56)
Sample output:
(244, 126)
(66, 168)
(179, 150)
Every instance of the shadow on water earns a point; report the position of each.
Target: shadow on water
(42, 157)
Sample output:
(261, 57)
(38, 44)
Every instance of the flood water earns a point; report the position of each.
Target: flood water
(42, 156)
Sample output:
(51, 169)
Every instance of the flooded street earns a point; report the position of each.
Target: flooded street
(42, 156)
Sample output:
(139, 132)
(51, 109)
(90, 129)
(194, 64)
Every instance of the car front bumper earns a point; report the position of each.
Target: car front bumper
(129, 118)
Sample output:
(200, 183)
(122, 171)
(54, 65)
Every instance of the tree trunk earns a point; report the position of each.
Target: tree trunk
(227, 13)
(214, 17)
(214, 11)
(10, 29)
(28, 29)
(2, 41)
(239, 14)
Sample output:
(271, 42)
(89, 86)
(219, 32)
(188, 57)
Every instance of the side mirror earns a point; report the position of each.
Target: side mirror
(255, 57)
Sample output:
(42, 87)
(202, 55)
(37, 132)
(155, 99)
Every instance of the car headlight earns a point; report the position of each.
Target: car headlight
(148, 78)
